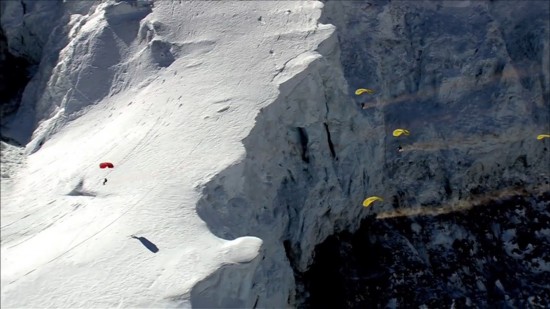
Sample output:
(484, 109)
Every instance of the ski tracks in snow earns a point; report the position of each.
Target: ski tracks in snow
(128, 209)
(143, 142)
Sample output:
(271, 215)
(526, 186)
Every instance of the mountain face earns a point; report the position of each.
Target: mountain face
(470, 81)
(470, 192)
(464, 219)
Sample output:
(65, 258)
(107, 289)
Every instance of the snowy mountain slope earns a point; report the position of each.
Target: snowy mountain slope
(167, 99)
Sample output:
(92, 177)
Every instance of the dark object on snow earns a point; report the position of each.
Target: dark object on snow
(104, 181)
(149, 245)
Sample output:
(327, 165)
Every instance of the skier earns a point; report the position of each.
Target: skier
(104, 181)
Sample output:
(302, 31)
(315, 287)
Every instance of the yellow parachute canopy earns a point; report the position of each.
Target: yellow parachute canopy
(360, 91)
(371, 199)
(541, 136)
(399, 132)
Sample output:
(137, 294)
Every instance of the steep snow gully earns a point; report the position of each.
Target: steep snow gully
(466, 202)
(471, 80)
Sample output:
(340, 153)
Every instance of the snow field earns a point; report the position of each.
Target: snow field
(182, 96)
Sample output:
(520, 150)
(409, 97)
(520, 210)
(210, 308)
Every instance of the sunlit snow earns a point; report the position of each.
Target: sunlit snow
(168, 123)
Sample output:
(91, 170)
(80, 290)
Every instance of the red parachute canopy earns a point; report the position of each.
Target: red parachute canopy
(106, 164)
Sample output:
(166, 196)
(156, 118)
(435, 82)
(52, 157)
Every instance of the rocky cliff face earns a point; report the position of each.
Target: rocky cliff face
(490, 256)
(470, 191)
(470, 80)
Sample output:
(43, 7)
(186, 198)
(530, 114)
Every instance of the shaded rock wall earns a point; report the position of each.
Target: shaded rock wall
(13, 78)
(490, 256)
(470, 80)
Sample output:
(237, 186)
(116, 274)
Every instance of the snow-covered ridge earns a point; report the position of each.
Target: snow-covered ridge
(167, 93)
